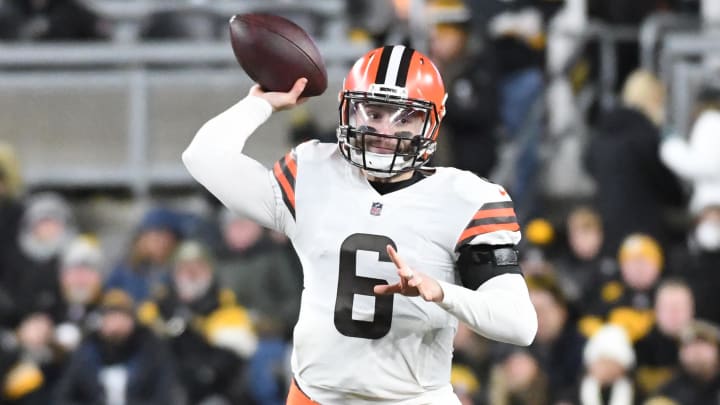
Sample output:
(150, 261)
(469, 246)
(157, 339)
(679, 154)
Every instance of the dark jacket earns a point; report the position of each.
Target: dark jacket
(700, 269)
(614, 302)
(472, 113)
(32, 285)
(687, 390)
(561, 361)
(264, 279)
(150, 371)
(657, 360)
(633, 186)
(139, 280)
(204, 369)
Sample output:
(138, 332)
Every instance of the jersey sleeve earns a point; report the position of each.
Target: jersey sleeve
(284, 174)
(216, 160)
(494, 222)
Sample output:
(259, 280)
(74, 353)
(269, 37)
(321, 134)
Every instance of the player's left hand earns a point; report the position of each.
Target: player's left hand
(412, 282)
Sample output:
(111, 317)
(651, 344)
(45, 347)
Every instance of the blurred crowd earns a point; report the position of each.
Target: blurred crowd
(184, 317)
(199, 309)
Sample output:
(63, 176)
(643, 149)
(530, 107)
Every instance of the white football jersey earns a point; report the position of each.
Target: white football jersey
(351, 346)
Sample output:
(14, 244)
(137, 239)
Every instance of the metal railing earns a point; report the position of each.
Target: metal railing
(66, 142)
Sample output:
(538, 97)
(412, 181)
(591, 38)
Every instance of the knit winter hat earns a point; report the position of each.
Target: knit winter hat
(639, 245)
(83, 251)
(192, 250)
(610, 342)
(47, 206)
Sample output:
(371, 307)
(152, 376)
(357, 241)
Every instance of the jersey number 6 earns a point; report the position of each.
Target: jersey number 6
(349, 284)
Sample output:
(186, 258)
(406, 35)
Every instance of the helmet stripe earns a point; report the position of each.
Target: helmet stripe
(383, 66)
(404, 67)
(394, 65)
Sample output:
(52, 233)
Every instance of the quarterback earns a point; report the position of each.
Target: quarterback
(394, 252)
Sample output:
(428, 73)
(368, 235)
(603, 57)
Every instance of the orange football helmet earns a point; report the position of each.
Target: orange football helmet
(391, 106)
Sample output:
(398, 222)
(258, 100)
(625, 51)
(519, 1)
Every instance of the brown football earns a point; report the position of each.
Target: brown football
(275, 52)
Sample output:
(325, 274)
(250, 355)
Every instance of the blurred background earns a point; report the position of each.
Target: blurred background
(123, 282)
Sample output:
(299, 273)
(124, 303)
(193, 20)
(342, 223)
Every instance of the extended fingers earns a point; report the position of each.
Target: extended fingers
(384, 289)
(396, 259)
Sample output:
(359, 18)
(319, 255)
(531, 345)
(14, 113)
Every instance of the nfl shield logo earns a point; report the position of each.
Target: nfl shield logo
(376, 208)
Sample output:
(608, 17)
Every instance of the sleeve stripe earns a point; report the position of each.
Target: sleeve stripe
(491, 217)
(495, 212)
(494, 220)
(285, 178)
(289, 162)
(470, 233)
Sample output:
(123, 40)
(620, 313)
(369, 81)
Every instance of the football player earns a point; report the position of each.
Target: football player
(394, 253)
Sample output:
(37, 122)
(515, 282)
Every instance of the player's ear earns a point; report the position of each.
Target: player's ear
(340, 94)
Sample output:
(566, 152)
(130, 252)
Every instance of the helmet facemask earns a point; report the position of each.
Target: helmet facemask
(386, 135)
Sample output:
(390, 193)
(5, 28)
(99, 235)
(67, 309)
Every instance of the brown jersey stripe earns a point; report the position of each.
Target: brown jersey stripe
(289, 161)
(491, 217)
(492, 220)
(287, 185)
(496, 205)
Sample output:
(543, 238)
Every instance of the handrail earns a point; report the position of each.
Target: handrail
(651, 34)
(165, 52)
(138, 9)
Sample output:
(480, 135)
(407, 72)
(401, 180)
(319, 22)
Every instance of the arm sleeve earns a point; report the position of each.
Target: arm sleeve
(700, 158)
(500, 309)
(215, 159)
(677, 154)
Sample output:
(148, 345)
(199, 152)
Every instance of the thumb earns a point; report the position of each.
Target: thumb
(298, 88)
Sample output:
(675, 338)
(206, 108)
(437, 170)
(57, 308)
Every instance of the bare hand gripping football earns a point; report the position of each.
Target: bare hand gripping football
(275, 53)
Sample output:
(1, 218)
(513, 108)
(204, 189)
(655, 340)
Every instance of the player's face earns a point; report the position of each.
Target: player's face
(401, 123)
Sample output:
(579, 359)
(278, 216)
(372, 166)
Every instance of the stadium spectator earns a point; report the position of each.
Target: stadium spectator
(33, 20)
(558, 344)
(608, 358)
(517, 379)
(211, 337)
(699, 261)
(472, 119)
(82, 269)
(628, 301)
(517, 47)
(261, 275)
(657, 352)
(31, 266)
(465, 384)
(472, 351)
(10, 214)
(10, 189)
(148, 264)
(122, 363)
(698, 381)
(381, 21)
(697, 159)
(633, 186)
(583, 265)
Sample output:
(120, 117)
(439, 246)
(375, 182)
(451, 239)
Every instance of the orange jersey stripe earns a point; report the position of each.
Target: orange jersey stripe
(481, 229)
(497, 212)
(280, 176)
